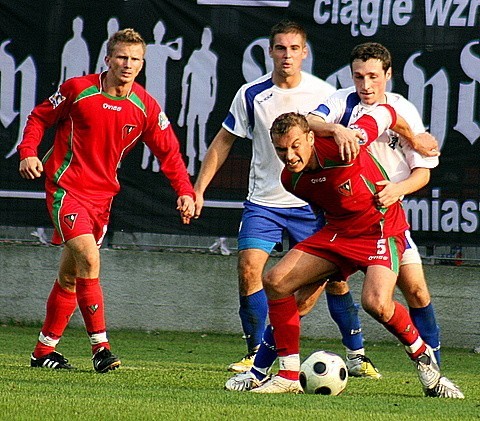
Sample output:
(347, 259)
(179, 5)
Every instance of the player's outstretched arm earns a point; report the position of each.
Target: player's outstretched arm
(214, 158)
(424, 143)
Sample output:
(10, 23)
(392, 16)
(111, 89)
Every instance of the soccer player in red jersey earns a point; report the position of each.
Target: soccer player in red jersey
(358, 235)
(98, 118)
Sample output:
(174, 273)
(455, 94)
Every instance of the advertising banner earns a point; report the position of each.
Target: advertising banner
(200, 52)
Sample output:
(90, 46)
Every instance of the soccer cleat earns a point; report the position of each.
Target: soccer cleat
(427, 370)
(242, 382)
(53, 360)
(361, 366)
(245, 364)
(104, 360)
(279, 384)
(445, 389)
(476, 350)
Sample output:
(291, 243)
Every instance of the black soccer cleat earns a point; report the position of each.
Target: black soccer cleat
(104, 360)
(54, 360)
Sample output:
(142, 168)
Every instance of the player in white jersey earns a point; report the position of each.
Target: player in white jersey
(269, 210)
(254, 108)
(407, 169)
(396, 155)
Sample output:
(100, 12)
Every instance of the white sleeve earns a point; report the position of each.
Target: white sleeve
(331, 110)
(236, 121)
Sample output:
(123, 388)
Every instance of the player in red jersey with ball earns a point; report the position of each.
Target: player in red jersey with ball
(358, 235)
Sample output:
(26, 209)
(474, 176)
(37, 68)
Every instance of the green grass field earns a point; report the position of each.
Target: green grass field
(180, 376)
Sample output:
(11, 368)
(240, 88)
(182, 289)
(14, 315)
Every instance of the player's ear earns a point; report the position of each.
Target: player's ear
(388, 74)
(311, 138)
(305, 51)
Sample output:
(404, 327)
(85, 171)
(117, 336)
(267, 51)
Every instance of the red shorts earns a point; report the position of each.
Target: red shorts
(351, 254)
(72, 217)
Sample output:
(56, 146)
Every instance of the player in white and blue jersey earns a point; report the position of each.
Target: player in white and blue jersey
(408, 171)
(269, 210)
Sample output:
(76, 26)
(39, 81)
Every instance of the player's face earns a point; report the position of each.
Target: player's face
(125, 63)
(295, 149)
(370, 80)
(288, 53)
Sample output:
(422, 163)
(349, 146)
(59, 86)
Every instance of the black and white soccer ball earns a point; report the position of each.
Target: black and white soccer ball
(323, 373)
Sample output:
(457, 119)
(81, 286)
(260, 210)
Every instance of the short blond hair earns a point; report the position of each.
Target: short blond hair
(126, 36)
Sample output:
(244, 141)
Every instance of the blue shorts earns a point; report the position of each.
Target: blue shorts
(262, 227)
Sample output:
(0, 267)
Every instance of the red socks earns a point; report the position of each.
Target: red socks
(284, 318)
(90, 302)
(401, 325)
(60, 306)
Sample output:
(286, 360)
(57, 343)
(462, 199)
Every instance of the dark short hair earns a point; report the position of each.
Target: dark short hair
(287, 27)
(286, 121)
(369, 50)
(126, 36)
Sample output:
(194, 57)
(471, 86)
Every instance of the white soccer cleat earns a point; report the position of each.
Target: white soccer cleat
(243, 382)
(279, 384)
(427, 370)
(445, 389)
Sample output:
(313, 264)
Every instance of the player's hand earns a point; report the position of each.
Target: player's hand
(199, 201)
(426, 144)
(348, 142)
(186, 206)
(31, 168)
(387, 194)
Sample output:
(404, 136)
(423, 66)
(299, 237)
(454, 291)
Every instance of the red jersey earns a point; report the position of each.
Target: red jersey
(94, 131)
(345, 191)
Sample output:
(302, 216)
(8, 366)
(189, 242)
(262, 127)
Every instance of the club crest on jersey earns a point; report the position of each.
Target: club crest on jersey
(345, 188)
(56, 99)
(163, 121)
(70, 219)
(127, 129)
(363, 133)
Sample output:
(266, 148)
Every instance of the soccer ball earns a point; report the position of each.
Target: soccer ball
(323, 373)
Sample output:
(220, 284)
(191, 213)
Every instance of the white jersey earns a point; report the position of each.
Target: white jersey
(393, 152)
(253, 110)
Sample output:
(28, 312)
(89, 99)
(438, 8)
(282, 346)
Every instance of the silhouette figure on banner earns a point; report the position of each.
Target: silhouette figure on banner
(75, 55)
(199, 92)
(112, 27)
(156, 58)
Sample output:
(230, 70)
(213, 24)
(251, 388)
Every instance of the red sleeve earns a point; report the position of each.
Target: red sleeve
(374, 123)
(43, 116)
(164, 144)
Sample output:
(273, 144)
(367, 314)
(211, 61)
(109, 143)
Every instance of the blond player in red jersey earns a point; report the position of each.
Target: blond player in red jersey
(98, 118)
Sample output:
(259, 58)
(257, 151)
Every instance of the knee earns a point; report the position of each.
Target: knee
(416, 294)
(249, 277)
(337, 287)
(67, 281)
(378, 309)
(274, 287)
